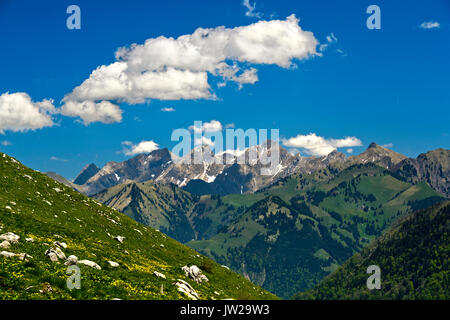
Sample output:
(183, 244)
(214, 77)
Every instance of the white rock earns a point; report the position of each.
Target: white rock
(60, 244)
(159, 275)
(113, 264)
(185, 288)
(5, 245)
(7, 254)
(194, 273)
(55, 251)
(24, 256)
(52, 256)
(89, 263)
(71, 260)
(11, 237)
(119, 238)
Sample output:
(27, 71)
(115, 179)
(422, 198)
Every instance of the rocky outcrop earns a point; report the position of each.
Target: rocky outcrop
(186, 289)
(10, 237)
(88, 172)
(89, 263)
(71, 260)
(432, 167)
(21, 256)
(55, 254)
(113, 264)
(119, 238)
(7, 254)
(194, 273)
(159, 275)
(62, 245)
(5, 245)
(377, 154)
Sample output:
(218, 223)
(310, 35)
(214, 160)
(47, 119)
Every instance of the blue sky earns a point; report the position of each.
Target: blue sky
(390, 86)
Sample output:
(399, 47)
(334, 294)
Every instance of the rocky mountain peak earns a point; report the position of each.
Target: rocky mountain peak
(86, 173)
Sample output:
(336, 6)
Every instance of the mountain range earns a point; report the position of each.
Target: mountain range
(289, 230)
(215, 176)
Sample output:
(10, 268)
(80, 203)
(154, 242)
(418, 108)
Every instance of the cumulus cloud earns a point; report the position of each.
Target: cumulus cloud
(430, 25)
(168, 109)
(319, 146)
(178, 68)
(212, 126)
(203, 141)
(142, 147)
(19, 113)
(88, 111)
(251, 9)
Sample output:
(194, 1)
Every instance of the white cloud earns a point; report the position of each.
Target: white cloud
(168, 109)
(294, 151)
(53, 158)
(331, 39)
(319, 146)
(19, 113)
(388, 145)
(212, 126)
(251, 9)
(89, 111)
(141, 147)
(118, 82)
(350, 150)
(341, 52)
(203, 141)
(5, 143)
(430, 25)
(178, 68)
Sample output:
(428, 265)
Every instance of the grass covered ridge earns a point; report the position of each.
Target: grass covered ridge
(36, 207)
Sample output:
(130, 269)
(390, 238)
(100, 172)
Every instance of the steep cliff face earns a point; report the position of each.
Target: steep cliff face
(432, 167)
(88, 172)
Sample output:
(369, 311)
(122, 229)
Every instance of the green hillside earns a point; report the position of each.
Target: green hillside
(164, 207)
(413, 257)
(45, 214)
